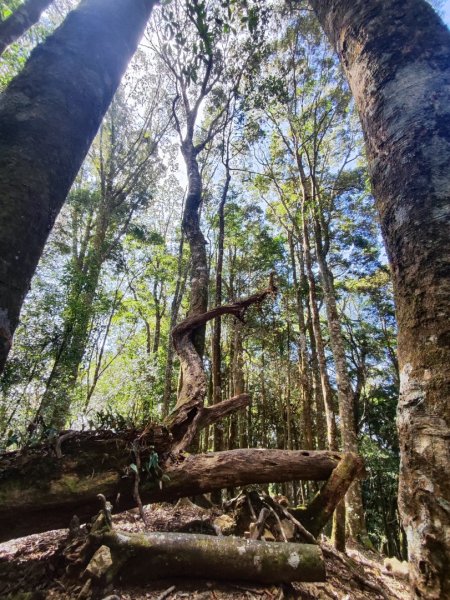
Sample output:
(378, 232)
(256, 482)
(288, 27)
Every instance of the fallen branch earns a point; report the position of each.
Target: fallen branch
(321, 508)
(219, 411)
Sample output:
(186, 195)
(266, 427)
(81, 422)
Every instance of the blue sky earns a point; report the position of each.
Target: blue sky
(447, 12)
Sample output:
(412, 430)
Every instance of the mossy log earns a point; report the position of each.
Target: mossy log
(144, 557)
(39, 492)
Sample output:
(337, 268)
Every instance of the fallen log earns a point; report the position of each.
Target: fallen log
(38, 493)
(140, 558)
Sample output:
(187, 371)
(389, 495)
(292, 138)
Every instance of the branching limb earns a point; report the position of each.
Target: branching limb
(189, 412)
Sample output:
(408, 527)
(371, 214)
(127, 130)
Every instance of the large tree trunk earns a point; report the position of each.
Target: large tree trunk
(28, 13)
(41, 492)
(142, 558)
(49, 115)
(397, 56)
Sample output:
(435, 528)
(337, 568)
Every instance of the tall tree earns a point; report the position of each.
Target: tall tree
(49, 115)
(125, 168)
(311, 142)
(396, 57)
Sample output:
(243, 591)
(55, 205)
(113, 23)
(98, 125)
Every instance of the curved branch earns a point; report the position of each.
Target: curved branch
(189, 411)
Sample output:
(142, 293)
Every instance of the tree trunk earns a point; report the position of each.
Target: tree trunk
(28, 13)
(321, 508)
(49, 115)
(41, 492)
(396, 57)
(57, 398)
(315, 318)
(217, 330)
(145, 557)
(303, 359)
(199, 278)
(193, 389)
(174, 310)
(355, 520)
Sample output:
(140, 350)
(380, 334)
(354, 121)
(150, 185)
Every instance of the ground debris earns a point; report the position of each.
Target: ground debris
(41, 561)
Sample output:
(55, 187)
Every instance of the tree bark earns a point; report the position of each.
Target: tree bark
(145, 557)
(315, 318)
(184, 419)
(199, 277)
(49, 115)
(396, 57)
(174, 310)
(305, 375)
(41, 492)
(355, 520)
(321, 508)
(28, 13)
(217, 330)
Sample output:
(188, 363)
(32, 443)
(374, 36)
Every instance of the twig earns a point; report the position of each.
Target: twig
(136, 494)
(259, 525)
(61, 439)
(166, 593)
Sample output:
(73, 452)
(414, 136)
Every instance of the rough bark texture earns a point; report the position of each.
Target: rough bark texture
(355, 520)
(321, 508)
(41, 492)
(191, 397)
(28, 13)
(397, 56)
(199, 277)
(144, 557)
(49, 115)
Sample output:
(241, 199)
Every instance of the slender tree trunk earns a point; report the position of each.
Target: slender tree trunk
(396, 57)
(174, 310)
(197, 244)
(49, 115)
(216, 338)
(353, 501)
(28, 13)
(338, 528)
(305, 375)
(57, 399)
(325, 382)
(159, 310)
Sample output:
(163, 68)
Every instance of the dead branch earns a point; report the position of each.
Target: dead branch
(184, 421)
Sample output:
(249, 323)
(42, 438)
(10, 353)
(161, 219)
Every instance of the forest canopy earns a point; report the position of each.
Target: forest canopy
(232, 153)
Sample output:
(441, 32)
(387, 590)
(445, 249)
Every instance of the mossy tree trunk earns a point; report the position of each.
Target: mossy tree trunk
(145, 557)
(49, 115)
(41, 491)
(28, 13)
(396, 56)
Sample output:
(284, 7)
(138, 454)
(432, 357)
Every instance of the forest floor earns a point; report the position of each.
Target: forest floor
(33, 568)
